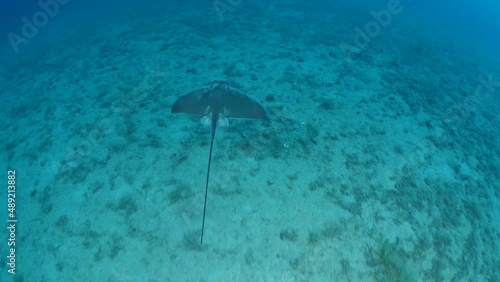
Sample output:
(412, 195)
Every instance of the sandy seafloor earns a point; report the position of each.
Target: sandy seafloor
(369, 169)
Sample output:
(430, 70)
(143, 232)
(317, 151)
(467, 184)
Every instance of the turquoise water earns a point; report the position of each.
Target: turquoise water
(380, 162)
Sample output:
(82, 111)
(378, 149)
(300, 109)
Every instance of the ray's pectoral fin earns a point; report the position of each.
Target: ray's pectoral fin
(195, 103)
(239, 105)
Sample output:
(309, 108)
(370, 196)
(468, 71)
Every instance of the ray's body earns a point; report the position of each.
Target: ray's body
(217, 102)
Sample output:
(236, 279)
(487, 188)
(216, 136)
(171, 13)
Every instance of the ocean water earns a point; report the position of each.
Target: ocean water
(380, 160)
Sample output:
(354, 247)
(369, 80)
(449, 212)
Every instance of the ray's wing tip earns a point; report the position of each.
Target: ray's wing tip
(175, 108)
(260, 116)
(262, 112)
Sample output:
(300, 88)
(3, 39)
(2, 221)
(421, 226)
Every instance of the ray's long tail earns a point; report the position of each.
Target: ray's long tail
(214, 126)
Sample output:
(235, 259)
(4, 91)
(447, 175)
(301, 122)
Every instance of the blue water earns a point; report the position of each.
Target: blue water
(380, 161)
